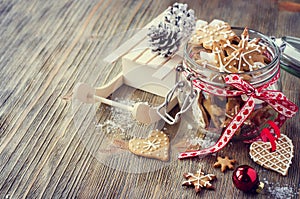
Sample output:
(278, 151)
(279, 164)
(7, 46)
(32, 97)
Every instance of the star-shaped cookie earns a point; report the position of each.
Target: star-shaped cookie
(225, 163)
(244, 56)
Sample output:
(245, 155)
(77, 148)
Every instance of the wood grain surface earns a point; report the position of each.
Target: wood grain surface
(46, 148)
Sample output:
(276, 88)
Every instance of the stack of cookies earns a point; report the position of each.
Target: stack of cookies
(217, 44)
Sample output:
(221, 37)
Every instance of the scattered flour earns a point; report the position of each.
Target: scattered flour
(277, 191)
(120, 121)
(205, 142)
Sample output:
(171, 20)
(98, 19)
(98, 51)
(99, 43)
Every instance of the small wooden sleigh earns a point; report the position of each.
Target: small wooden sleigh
(142, 68)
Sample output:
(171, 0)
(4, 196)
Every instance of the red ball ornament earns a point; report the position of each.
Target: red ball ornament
(246, 179)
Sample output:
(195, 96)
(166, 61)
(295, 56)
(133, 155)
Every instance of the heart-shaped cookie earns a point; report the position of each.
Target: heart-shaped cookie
(155, 146)
(278, 160)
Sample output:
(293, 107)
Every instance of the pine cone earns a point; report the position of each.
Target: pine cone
(180, 16)
(164, 39)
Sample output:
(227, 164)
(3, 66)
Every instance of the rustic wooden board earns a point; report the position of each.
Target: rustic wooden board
(49, 46)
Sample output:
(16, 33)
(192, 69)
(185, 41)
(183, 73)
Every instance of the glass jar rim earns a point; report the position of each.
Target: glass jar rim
(274, 60)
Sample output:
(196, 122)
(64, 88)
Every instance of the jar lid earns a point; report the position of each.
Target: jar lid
(290, 58)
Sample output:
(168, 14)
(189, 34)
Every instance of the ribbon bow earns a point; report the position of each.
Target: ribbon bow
(276, 99)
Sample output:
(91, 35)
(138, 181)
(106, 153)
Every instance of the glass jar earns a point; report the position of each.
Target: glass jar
(211, 112)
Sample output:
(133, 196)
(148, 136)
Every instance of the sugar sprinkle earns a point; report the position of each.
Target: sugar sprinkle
(121, 120)
(278, 191)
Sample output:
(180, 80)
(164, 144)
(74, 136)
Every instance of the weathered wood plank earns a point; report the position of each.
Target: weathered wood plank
(47, 47)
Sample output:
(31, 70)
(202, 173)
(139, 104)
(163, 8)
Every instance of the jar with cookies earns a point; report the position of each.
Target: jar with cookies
(235, 74)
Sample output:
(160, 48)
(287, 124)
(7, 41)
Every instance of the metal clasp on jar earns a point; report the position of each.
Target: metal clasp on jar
(290, 52)
(189, 99)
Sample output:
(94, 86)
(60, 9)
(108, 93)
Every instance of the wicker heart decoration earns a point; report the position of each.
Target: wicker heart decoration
(278, 160)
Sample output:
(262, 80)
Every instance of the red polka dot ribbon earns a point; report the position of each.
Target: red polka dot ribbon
(276, 99)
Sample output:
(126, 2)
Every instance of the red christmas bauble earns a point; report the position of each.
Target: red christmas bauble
(245, 178)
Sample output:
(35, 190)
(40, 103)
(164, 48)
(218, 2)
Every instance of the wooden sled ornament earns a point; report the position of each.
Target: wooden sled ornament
(141, 69)
(145, 70)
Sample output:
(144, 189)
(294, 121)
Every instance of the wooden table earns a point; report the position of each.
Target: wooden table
(49, 46)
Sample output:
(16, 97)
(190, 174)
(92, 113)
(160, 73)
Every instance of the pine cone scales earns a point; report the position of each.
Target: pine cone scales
(180, 16)
(164, 39)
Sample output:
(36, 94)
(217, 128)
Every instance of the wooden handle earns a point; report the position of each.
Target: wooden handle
(113, 103)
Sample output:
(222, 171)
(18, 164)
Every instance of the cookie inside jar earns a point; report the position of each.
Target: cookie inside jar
(216, 50)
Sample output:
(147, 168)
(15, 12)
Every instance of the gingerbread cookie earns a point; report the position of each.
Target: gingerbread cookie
(203, 118)
(278, 160)
(225, 163)
(223, 62)
(232, 54)
(246, 56)
(155, 146)
(215, 112)
(198, 180)
(215, 31)
(262, 115)
(233, 106)
(193, 147)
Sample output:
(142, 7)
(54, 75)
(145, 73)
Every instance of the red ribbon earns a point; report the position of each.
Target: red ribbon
(276, 99)
(267, 136)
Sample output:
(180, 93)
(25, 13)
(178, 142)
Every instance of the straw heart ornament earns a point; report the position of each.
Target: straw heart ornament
(276, 99)
(278, 160)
